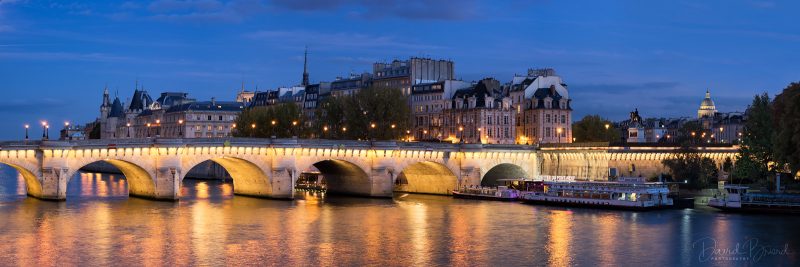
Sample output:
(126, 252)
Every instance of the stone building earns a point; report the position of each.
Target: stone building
(350, 85)
(479, 114)
(542, 107)
(402, 74)
(427, 103)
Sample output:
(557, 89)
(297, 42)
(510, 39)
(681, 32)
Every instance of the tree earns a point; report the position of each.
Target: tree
(755, 151)
(372, 113)
(690, 133)
(786, 121)
(258, 122)
(687, 165)
(593, 128)
(95, 133)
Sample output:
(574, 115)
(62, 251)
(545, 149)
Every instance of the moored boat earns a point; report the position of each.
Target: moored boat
(609, 195)
(501, 193)
(737, 198)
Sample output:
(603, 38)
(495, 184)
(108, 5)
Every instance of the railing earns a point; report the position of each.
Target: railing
(269, 142)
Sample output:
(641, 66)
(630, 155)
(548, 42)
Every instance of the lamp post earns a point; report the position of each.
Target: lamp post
(324, 132)
(371, 131)
(558, 132)
(128, 125)
(461, 134)
(26, 131)
(148, 130)
(272, 129)
(158, 128)
(253, 129)
(408, 136)
(180, 128)
(294, 129)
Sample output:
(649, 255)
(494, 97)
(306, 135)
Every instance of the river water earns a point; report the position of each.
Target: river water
(100, 225)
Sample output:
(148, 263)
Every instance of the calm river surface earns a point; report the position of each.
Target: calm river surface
(100, 225)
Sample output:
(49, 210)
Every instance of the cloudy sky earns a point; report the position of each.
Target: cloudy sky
(660, 57)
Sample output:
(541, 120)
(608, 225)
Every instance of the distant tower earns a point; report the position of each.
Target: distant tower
(707, 107)
(106, 106)
(305, 68)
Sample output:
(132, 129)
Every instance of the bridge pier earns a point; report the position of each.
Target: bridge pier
(53, 184)
(382, 182)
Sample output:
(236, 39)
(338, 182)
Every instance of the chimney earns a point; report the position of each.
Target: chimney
(214, 101)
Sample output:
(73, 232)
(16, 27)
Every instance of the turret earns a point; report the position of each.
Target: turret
(106, 106)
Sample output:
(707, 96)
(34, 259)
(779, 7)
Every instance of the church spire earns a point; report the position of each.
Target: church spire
(305, 68)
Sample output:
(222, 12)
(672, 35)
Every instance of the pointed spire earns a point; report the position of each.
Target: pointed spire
(305, 68)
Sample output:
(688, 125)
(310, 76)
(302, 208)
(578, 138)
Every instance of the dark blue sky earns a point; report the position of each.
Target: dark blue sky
(56, 56)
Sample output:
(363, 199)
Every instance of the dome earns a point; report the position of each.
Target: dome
(707, 107)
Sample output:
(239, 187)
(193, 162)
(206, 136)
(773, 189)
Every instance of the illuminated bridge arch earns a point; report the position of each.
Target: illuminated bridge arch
(249, 178)
(426, 177)
(503, 171)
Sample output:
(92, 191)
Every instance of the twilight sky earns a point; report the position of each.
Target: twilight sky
(56, 56)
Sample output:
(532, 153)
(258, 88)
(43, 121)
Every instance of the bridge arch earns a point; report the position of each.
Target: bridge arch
(343, 177)
(503, 171)
(32, 185)
(249, 179)
(426, 177)
(140, 181)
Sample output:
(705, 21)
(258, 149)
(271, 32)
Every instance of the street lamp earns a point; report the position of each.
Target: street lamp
(148, 130)
(26, 131)
(461, 133)
(294, 128)
(408, 136)
(272, 129)
(324, 131)
(129, 129)
(558, 131)
(180, 128)
(607, 126)
(253, 131)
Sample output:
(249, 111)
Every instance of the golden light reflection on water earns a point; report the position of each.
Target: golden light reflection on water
(418, 225)
(21, 189)
(212, 229)
(560, 241)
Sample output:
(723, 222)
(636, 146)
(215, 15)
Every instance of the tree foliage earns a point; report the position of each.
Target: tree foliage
(755, 151)
(786, 120)
(592, 128)
(257, 122)
(353, 117)
(690, 133)
(699, 172)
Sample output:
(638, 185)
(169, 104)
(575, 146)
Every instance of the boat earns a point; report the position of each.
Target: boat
(737, 198)
(500, 193)
(608, 195)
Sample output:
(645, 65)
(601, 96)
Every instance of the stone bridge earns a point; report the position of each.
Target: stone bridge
(155, 168)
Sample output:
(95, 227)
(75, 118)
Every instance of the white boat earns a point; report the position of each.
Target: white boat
(737, 198)
(612, 195)
(502, 193)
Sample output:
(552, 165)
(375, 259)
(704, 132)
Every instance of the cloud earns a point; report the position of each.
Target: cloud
(408, 9)
(25, 106)
(91, 57)
(337, 39)
(622, 87)
(205, 10)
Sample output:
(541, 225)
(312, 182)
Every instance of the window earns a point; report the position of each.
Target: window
(547, 132)
(563, 119)
(505, 120)
(547, 118)
(489, 120)
(220, 117)
(208, 128)
(209, 117)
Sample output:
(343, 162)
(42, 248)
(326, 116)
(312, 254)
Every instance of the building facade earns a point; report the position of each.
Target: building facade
(479, 114)
(543, 109)
(428, 100)
(402, 74)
